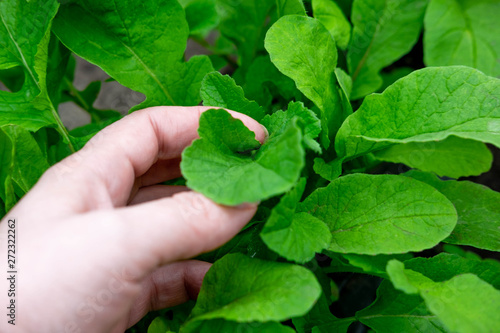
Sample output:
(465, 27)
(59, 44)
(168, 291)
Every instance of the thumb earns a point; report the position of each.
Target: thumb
(179, 227)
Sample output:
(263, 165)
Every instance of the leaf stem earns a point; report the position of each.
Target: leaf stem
(60, 126)
(76, 94)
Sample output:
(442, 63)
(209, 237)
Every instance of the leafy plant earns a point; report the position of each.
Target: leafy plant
(342, 88)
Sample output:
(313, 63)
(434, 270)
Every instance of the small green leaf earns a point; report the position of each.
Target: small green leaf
(329, 171)
(158, 325)
(463, 32)
(465, 303)
(295, 236)
(301, 48)
(453, 157)
(227, 165)
(428, 105)
(140, 44)
(329, 13)
(246, 290)
(477, 207)
(221, 90)
(278, 121)
(403, 216)
(384, 30)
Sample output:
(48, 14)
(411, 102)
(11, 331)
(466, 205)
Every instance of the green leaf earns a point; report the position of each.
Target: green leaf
(319, 314)
(225, 165)
(428, 105)
(381, 214)
(455, 249)
(278, 121)
(158, 325)
(477, 208)
(465, 303)
(246, 290)
(453, 157)
(445, 266)
(5, 162)
(24, 42)
(246, 22)
(384, 31)
(463, 32)
(221, 90)
(374, 264)
(301, 48)
(341, 325)
(345, 81)
(329, 13)
(264, 81)
(295, 236)
(223, 326)
(201, 16)
(394, 311)
(28, 161)
(140, 44)
(329, 171)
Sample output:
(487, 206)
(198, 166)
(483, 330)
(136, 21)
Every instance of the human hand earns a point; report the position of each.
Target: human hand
(99, 244)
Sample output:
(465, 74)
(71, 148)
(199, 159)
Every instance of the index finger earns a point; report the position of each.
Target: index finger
(111, 161)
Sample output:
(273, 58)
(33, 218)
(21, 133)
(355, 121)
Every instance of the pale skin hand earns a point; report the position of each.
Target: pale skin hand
(99, 244)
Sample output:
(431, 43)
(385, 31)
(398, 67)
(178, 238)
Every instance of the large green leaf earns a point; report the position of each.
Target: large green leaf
(465, 303)
(428, 105)
(463, 32)
(301, 48)
(24, 42)
(246, 290)
(229, 166)
(295, 236)
(478, 209)
(452, 157)
(221, 90)
(329, 13)
(377, 214)
(384, 30)
(140, 44)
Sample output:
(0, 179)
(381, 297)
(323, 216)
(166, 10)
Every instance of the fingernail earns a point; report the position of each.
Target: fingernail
(247, 205)
(265, 131)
